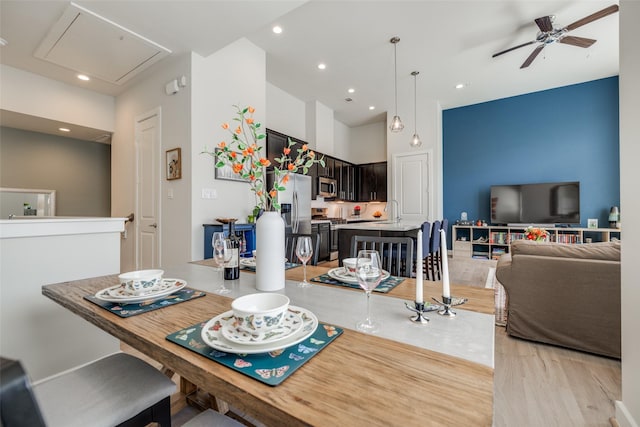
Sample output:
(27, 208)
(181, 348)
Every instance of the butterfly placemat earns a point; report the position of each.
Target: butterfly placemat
(270, 368)
(385, 286)
(287, 265)
(128, 310)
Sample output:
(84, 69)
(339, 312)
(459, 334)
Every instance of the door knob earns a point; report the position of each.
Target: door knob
(154, 225)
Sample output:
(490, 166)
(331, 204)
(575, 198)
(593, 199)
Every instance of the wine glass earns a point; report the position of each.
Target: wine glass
(304, 251)
(222, 253)
(369, 274)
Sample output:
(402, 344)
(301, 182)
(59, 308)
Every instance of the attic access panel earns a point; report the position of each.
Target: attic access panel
(88, 43)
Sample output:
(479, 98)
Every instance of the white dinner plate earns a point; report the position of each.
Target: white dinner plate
(251, 262)
(212, 334)
(117, 293)
(338, 273)
(290, 325)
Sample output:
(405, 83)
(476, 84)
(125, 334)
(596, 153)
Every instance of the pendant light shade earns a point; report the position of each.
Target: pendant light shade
(396, 124)
(415, 140)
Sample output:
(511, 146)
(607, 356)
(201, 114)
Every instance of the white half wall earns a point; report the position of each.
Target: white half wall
(28, 93)
(368, 144)
(628, 410)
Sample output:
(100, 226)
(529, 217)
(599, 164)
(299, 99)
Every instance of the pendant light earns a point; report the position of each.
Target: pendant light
(396, 123)
(415, 141)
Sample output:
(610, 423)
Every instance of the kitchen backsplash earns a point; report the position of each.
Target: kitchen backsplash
(346, 209)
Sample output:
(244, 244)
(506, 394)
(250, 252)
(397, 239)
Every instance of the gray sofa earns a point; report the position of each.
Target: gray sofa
(562, 294)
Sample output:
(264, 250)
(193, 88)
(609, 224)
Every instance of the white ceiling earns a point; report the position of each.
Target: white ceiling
(447, 41)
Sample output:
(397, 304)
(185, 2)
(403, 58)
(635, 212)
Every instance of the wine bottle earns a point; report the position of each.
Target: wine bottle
(232, 268)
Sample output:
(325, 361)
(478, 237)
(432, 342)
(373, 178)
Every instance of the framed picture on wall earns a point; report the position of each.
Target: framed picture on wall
(592, 223)
(226, 173)
(174, 164)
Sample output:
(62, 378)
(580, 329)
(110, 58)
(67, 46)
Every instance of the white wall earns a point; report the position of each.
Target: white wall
(628, 410)
(31, 94)
(235, 75)
(285, 113)
(319, 124)
(341, 141)
(368, 144)
(174, 221)
(429, 127)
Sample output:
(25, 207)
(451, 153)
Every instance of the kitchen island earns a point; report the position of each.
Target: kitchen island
(373, 228)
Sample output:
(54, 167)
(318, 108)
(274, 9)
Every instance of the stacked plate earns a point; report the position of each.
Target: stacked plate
(340, 274)
(119, 294)
(221, 333)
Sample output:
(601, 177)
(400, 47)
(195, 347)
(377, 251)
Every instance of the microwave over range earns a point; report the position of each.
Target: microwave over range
(327, 187)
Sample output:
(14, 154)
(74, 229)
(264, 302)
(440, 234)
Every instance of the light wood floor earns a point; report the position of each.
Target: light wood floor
(534, 384)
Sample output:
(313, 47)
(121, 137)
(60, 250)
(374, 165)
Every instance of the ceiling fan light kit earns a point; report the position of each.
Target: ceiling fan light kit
(549, 34)
(396, 123)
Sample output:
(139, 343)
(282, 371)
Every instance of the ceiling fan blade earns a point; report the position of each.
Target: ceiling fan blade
(531, 57)
(544, 24)
(594, 16)
(577, 41)
(513, 48)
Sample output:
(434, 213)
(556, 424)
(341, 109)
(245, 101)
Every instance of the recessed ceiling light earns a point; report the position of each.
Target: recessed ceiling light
(83, 77)
(322, 66)
(64, 130)
(460, 86)
(372, 107)
(277, 29)
(351, 90)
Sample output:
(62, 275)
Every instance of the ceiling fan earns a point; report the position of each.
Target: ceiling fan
(548, 34)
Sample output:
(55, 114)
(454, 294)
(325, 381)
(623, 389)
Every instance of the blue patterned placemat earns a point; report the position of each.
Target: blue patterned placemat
(385, 286)
(287, 266)
(128, 310)
(270, 368)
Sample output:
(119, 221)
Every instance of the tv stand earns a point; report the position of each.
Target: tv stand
(490, 242)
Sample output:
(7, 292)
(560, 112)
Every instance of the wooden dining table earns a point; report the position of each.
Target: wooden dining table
(358, 379)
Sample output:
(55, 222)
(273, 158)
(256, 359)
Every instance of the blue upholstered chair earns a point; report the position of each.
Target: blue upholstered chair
(434, 250)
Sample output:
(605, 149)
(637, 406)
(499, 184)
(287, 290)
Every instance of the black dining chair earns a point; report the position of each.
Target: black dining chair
(290, 242)
(396, 253)
(434, 249)
(117, 390)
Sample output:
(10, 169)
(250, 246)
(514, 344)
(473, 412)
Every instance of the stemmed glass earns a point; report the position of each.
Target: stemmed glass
(222, 253)
(369, 274)
(304, 251)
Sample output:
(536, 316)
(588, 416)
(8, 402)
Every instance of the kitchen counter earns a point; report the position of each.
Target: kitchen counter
(379, 225)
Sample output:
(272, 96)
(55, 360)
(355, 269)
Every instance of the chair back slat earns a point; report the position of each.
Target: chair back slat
(396, 253)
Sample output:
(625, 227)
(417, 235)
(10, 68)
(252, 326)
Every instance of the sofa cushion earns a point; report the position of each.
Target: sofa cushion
(606, 251)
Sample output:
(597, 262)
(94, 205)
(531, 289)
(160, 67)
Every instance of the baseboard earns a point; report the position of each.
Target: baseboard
(623, 416)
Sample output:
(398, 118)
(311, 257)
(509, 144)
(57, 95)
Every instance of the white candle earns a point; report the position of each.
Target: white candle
(419, 270)
(446, 292)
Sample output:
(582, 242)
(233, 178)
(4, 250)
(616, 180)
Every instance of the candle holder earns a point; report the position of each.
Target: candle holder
(447, 302)
(420, 311)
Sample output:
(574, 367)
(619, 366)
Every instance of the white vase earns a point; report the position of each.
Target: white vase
(270, 252)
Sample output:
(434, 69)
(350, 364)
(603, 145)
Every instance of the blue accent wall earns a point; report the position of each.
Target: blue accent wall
(565, 134)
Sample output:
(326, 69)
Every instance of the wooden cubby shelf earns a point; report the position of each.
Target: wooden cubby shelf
(490, 242)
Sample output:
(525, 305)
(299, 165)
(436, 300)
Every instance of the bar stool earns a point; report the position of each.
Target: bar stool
(434, 249)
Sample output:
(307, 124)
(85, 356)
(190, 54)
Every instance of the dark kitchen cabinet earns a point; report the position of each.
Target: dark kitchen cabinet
(323, 229)
(328, 171)
(276, 143)
(373, 182)
(345, 177)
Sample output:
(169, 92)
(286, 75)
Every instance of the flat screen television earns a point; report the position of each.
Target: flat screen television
(546, 203)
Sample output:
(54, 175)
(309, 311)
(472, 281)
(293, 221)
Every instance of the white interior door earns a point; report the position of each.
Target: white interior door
(412, 185)
(148, 143)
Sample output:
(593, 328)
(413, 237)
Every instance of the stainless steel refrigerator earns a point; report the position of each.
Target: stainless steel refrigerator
(295, 203)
